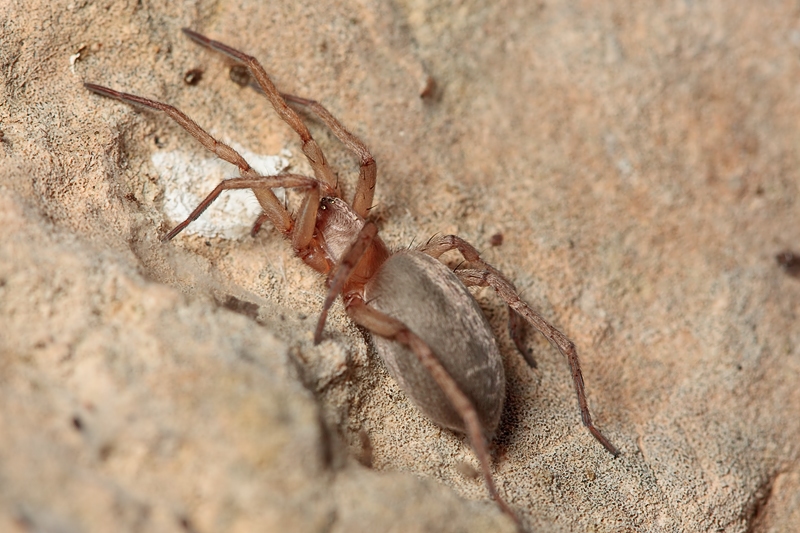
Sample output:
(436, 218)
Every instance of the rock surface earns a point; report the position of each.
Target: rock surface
(641, 163)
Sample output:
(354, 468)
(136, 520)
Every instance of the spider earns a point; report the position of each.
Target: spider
(426, 326)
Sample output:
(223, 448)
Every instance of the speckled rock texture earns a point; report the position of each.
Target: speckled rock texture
(639, 159)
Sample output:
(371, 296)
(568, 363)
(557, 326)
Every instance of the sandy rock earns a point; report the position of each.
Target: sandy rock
(639, 161)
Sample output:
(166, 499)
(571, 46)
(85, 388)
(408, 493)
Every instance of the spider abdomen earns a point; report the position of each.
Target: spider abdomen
(431, 301)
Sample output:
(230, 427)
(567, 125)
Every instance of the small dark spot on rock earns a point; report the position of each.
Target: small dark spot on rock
(132, 198)
(239, 75)
(428, 89)
(790, 261)
(105, 451)
(186, 524)
(248, 309)
(77, 423)
(193, 76)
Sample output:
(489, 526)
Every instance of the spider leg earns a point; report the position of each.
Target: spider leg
(368, 171)
(339, 275)
(482, 274)
(273, 210)
(312, 151)
(257, 224)
(390, 328)
(253, 183)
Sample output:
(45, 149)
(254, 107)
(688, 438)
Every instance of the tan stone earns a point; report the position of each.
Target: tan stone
(640, 161)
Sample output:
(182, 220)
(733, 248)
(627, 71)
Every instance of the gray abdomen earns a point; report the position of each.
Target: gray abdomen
(425, 295)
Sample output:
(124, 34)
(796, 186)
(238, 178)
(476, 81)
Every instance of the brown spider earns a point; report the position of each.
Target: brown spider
(426, 325)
